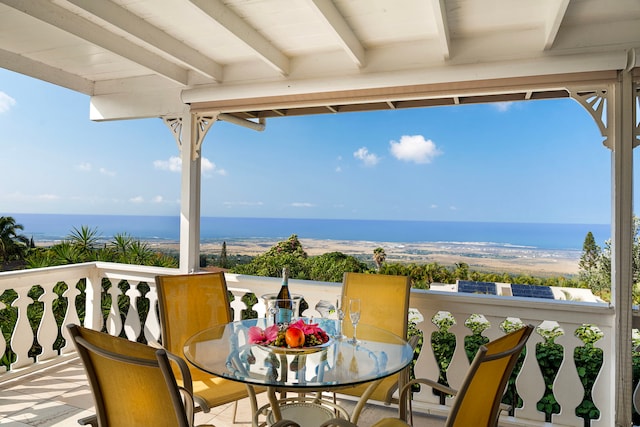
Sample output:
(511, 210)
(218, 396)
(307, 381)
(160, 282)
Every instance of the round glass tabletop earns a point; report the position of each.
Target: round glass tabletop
(225, 351)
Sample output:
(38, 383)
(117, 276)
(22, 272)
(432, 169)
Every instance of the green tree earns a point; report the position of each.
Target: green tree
(85, 240)
(13, 246)
(66, 253)
(590, 255)
(599, 278)
(461, 270)
(330, 267)
(224, 262)
(121, 243)
(288, 253)
(379, 256)
(590, 264)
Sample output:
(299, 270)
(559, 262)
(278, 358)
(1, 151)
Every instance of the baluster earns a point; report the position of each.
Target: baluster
(494, 331)
(530, 383)
(261, 307)
(459, 363)
(93, 318)
(47, 331)
(3, 343)
(567, 387)
(152, 324)
(132, 326)
(601, 393)
(22, 337)
(71, 316)
(428, 366)
(114, 322)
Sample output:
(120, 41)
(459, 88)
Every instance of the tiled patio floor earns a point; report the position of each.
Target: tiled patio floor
(59, 396)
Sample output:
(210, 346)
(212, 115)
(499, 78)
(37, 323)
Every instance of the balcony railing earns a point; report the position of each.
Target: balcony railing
(130, 291)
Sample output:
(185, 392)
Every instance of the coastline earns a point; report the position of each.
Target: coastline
(479, 257)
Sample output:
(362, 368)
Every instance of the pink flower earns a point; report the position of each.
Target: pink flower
(307, 328)
(266, 336)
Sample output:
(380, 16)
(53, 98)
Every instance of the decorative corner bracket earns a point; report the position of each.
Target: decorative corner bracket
(201, 125)
(595, 102)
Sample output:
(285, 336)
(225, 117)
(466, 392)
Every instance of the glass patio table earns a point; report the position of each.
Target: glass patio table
(225, 351)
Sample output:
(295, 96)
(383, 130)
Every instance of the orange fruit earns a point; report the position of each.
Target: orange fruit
(294, 337)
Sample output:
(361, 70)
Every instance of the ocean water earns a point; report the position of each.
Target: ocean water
(51, 227)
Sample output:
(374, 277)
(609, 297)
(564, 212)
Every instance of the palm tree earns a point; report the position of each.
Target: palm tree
(84, 239)
(379, 256)
(13, 246)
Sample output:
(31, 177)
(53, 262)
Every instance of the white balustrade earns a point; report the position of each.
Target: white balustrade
(569, 316)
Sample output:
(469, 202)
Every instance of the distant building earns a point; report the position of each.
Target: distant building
(518, 290)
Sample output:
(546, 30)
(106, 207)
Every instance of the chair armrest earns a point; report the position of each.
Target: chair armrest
(413, 343)
(184, 370)
(505, 407)
(404, 398)
(155, 344)
(187, 384)
(430, 383)
(338, 422)
(91, 420)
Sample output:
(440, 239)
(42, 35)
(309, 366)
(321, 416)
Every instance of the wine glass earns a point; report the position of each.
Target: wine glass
(324, 308)
(354, 315)
(273, 311)
(340, 311)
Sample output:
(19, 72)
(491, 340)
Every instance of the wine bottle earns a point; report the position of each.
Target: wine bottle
(284, 302)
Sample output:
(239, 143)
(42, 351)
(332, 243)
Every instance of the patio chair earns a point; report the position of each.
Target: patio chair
(188, 304)
(385, 304)
(478, 401)
(132, 383)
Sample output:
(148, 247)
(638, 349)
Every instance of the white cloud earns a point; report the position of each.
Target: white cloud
(414, 149)
(302, 205)
(174, 164)
(107, 172)
(453, 208)
(84, 167)
(137, 199)
(434, 206)
(6, 102)
(21, 197)
(158, 199)
(503, 106)
(369, 159)
(209, 166)
(229, 204)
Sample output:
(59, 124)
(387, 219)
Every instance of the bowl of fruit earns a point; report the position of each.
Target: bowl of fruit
(297, 337)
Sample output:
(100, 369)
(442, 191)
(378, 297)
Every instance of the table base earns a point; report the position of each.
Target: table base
(306, 411)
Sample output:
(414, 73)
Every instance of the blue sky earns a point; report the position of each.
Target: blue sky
(537, 161)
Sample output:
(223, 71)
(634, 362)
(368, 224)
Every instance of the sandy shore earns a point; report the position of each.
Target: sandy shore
(479, 257)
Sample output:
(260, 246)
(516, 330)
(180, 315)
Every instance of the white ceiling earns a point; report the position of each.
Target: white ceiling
(149, 58)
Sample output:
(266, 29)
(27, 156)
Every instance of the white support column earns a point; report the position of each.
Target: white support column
(189, 199)
(189, 131)
(621, 114)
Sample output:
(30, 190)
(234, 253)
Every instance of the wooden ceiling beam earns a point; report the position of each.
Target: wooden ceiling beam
(496, 90)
